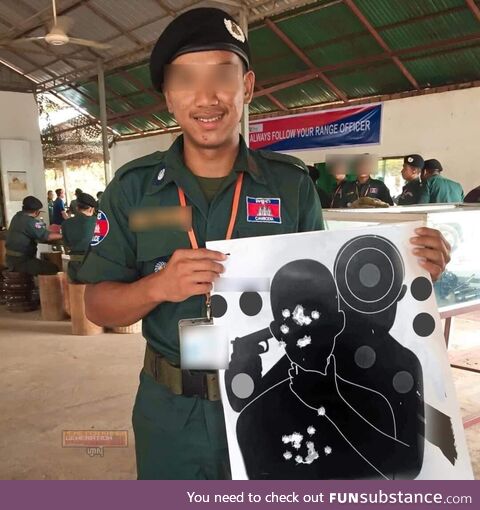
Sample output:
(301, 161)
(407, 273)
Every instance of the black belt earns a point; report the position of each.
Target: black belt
(189, 383)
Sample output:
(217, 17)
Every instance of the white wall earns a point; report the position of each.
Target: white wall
(445, 126)
(20, 146)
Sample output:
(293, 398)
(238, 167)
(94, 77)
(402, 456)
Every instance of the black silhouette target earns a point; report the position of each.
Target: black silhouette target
(369, 272)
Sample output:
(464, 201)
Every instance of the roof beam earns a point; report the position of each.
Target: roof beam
(31, 25)
(301, 55)
(364, 21)
(474, 8)
(273, 99)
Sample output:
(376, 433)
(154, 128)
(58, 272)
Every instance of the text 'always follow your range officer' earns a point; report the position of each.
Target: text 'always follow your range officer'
(148, 268)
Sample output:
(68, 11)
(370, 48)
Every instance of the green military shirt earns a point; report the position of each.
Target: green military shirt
(120, 254)
(23, 235)
(77, 234)
(440, 190)
(373, 188)
(411, 193)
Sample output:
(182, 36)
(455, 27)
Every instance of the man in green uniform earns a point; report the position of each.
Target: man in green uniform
(411, 172)
(24, 232)
(438, 189)
(78, 232)
(141, 262)
(73, 209)
(365, 186)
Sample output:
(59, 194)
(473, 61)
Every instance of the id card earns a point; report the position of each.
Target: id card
(203, 345)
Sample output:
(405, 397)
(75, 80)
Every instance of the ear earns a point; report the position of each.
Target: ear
(402, 293)
(249, 85)
(166, 94)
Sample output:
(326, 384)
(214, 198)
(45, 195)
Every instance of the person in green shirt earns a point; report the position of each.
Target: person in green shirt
(78, 232)
(50, 206)
(143, 262)
(24, 232)
(73, 209)
(436, 188)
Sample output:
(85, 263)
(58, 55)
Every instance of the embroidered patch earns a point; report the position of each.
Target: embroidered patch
(101, 229)
(38, 225)
(264, 210)
(234, 30)
(373, 190)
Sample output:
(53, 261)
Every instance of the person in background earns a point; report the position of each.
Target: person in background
(473, 196)
(99, 195)
(436, 188)
(411, 172)
(59, 213)
(78, 232)
(338, 168)
(322, 194)
(25, 231)
(73, 203)
(50, 205)
(365, 186)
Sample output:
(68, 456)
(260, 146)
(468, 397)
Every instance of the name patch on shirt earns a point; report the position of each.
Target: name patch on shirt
(101, 229)
(264, 210)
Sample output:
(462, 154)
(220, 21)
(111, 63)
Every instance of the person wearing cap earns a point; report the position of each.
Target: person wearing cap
(73, 204)
(365, 185)
(411, 172)
(438, 189)
(78, 232)
(147, 258)
(24, 232)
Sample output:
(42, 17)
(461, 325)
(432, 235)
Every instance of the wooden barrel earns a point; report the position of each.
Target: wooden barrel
(65, 293)
(55, 257)
(2, 252)
(80, 324)
(133, 328)
(19, 292)
(51, 296)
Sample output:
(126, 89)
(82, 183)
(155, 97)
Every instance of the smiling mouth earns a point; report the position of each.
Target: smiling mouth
(209, 119)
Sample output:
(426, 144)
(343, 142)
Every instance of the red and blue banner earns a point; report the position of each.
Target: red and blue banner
(331, 128)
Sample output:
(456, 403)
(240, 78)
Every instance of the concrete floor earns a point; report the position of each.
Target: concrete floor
(51, 381)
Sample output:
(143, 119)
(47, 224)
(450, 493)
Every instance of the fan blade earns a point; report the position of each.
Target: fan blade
(13, 42)
(65, 23)
(91, 44)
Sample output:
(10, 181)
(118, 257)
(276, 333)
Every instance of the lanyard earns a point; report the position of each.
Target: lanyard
(231, 225)
(364, 194)
(338, 189)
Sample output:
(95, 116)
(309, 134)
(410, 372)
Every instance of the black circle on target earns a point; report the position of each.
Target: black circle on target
(369, 272)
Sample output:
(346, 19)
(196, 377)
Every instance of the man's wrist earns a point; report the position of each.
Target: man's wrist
(153, 289)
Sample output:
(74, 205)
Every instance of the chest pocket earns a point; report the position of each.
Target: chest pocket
(156, 246)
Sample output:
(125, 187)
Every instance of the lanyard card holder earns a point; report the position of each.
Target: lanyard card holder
(203, 345)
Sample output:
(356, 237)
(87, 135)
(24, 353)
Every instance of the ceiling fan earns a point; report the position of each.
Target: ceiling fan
(57, 34)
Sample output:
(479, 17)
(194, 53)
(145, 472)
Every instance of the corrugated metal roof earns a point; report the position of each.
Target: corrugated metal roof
(438, 41)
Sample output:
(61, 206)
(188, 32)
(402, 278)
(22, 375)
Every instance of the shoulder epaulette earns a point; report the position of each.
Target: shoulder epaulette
(284, 158)
(144, 162)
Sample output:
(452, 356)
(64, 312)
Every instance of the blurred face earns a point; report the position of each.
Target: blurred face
(206, 92)
(364, 168)
(50, 195)
(339, 171)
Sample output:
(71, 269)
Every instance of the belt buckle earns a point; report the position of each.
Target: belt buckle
(194, 384)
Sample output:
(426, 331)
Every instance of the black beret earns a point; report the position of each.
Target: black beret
(32, 204)
(202, 29)
(433, 164)
(414, 160)
(86, 199)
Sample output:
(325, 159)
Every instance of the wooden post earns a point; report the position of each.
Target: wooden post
(51, 297)
(80, 324)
